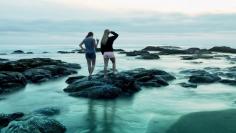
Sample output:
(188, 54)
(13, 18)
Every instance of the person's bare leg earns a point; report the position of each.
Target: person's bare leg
(106, 60)
(113, 60)
(89, 66)
(93, 65)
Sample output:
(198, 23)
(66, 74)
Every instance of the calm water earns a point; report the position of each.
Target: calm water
(151, 110)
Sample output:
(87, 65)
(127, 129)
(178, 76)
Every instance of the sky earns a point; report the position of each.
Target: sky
(67, 20)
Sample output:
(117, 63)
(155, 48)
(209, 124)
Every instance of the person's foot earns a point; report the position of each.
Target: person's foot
(105, 77)
(115, 71)
(90, 77)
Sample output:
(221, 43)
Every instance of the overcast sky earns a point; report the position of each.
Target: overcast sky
(138, 16)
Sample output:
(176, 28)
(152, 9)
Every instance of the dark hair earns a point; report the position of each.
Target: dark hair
(89, 34)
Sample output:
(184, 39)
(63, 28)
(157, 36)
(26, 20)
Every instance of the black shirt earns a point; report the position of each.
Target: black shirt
(108, 47)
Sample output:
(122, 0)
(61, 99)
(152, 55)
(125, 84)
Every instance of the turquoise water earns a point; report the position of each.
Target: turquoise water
(151, 110)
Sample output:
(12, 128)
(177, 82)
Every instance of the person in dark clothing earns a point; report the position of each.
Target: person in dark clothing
(90, 52)
(107, 50)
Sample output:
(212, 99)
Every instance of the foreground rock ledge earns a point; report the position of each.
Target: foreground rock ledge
(16, 74)
(38, 121)
(206, 122)
(121, 84)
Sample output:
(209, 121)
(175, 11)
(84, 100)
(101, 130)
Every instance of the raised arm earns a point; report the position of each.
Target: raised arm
(115, 35)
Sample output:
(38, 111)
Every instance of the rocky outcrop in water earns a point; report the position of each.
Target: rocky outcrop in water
(176, 50)
(121, 84)
(38, 121)
(16, 74)
(82, 51)
(18, 52)
(142, 55)
(211, 75)
(188, 85)
(3, 60)
(201, 76)
(197, 56)
(223, 49)
(206, 122)
(11, 81)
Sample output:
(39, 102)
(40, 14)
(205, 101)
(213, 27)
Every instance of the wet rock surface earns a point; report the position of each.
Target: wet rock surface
(212, 75)
(18, 52)
(197, 56)
(82, 51)
(188, 85)
(11, 81)
(142, 54)
(16, 74)
(206, 122)
(38, 121)
(121, 84)
(223, 49)
(176, 50)
(3, 60)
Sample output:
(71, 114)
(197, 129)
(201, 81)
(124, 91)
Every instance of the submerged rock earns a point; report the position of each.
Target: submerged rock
(223, 49)
(121, 84)
(188, 85)
(206, 122)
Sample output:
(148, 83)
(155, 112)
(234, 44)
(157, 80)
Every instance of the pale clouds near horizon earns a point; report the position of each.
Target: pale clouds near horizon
(95, 9)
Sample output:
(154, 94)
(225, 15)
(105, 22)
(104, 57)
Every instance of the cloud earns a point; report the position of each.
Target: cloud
(156, 23)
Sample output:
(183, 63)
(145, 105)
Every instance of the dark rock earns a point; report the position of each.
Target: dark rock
(159, 48)
(48, 111)
(149, 56)
(3, 60)
(206, 122)
(13, 74)
(228, 81)
(197, 56)
(70, 80)
(6, 119)
(11, 81)
(18, 52)
(65, 52)
(35, 122)
(121, 84)
(37, 75)
(176, 50)
(136, 53)
(3, 53)
(201, 76)
(45, 52)
(188, 85)
(223, 49)
(207, 78)
(29, 53)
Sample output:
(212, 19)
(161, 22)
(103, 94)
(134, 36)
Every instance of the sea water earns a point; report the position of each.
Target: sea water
(152, 110)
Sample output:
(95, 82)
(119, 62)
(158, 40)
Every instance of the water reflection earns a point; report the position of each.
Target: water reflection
(101, 120)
